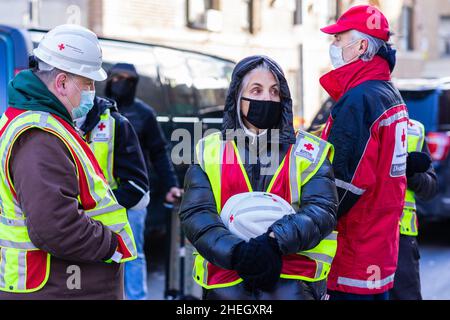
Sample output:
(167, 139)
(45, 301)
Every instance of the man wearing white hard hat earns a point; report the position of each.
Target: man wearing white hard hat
(63, 234)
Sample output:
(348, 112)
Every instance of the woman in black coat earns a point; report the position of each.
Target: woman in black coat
(258, 83)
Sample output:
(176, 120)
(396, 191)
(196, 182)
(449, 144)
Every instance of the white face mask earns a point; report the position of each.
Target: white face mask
(337, 55)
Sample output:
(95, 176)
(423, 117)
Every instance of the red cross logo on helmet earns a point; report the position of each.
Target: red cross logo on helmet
(61, 46)
(231, 218)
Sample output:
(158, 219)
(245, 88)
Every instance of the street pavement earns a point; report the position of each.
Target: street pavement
(434, 244)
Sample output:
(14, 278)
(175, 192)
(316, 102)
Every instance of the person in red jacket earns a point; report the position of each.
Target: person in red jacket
(368, 128)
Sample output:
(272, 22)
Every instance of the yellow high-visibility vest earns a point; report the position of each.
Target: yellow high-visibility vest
(299, 166)
(25, 268)
(102, 139)
(408, 220)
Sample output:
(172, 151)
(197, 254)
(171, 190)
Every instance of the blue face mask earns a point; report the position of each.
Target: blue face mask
(86, 103)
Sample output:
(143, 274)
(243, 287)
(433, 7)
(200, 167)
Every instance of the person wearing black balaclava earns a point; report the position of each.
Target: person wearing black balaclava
(291, 259)
(121, 86)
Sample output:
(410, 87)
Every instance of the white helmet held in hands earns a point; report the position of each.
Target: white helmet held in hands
(74, 49)
(248, 215)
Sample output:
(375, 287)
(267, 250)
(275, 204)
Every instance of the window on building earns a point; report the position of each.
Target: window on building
(406, 34)
(251, 15)
(204, 14)
(333, 10)
(444, 36)
(246, 16)
(298, 13)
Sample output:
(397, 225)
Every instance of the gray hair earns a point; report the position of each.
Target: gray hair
(244, 84)
(46, 72)
(246, 79)
(373, 47)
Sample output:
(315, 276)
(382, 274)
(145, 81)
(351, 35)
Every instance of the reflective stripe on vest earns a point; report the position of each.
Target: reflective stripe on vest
(408, 220)
(23, 267)
(367, 284)
(102, 144)
(212, 153)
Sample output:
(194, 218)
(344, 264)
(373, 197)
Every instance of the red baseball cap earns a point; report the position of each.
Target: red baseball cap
(366, 19)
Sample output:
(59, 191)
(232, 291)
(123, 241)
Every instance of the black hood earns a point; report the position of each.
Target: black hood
(230, 117)
(130, 70)
(93, 117)
(389, 54)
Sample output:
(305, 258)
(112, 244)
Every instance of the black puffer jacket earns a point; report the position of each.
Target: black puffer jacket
(302, 231)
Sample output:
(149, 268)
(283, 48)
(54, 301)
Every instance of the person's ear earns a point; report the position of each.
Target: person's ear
(60, 83)
(363, 46)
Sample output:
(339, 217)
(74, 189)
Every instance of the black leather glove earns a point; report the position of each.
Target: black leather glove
(417, 162)
(258, 262)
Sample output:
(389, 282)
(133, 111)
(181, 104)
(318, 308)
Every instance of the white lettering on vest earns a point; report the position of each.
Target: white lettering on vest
(74, 281)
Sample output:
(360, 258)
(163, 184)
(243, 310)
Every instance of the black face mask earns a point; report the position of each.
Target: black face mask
(263, 114)
(123, 91)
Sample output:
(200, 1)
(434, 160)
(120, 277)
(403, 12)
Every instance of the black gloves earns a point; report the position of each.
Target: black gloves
(258, 263)
(417, 162)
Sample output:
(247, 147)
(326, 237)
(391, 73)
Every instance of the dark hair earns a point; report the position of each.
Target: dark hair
(33, 63)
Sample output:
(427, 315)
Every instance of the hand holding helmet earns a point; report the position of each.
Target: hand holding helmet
(249, 216)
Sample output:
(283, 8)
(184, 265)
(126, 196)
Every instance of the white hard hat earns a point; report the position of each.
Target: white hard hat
(248, 215)
(74, 49)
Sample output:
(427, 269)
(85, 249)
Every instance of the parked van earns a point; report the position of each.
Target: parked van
(184, 87)
(428, 101)
(14, 47)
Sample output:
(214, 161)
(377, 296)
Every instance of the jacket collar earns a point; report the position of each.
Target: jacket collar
(341, 80)
(93, 117)
(27, 92)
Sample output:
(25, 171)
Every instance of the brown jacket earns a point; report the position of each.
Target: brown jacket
(45, 180)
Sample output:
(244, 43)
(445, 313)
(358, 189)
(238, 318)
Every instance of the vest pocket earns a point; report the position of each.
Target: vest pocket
(23, 270)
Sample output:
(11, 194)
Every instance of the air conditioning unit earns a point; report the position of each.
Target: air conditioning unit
(214, 20)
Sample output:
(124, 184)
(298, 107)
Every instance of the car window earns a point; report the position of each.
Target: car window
(423, 106)
(444, 110)
(149, 87)
(173, 82)
(176, 77)
(322, 116)
(211, 78)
